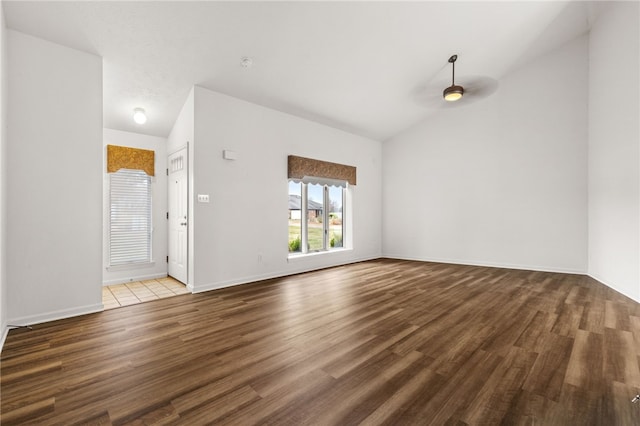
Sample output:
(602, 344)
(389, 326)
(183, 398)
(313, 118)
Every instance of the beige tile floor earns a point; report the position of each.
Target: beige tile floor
(114, 296)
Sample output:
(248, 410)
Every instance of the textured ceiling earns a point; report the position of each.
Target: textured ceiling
(371, 68)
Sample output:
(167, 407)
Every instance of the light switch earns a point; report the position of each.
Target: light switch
(203, 198)
(229, 155)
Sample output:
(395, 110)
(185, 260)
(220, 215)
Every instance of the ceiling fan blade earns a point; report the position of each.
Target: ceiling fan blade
(480, 87)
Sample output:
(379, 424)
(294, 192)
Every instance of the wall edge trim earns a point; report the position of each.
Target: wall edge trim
(3, 338)
(612, 287)
(489, 264)
(57, 315)
(261, 277)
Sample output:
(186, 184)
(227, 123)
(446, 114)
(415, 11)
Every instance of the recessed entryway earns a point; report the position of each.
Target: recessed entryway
(115, 296)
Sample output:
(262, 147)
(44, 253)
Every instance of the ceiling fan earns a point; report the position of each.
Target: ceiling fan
(476, 87)
(472, 88)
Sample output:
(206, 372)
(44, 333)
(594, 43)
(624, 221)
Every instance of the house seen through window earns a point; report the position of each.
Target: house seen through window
(316, 212)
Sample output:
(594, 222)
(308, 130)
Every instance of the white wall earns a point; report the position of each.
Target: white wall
(3, 179)
(182, 136)
(54, 181)
(158, 269)
(499, 182)
(614, 148)
(182, 130)
(241, 235)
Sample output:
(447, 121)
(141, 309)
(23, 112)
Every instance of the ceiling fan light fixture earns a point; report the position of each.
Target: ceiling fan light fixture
(453, 93)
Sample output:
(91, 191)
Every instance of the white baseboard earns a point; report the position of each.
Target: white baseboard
(56, 315)
(613, 287)
(132, 279)
(489, 264)
(253, 278)
(5, 331)
(521, 267)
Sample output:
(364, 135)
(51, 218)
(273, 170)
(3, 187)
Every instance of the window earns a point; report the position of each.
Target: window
(336, 196)
(316, 212)
(130, 225)
(317, 193)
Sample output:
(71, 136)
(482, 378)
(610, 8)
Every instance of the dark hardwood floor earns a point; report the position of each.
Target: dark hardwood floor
(379, 342)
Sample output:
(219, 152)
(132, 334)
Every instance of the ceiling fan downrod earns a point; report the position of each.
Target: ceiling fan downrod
(453, 92)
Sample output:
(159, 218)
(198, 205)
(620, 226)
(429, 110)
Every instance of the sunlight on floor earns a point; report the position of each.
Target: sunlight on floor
(114, 296)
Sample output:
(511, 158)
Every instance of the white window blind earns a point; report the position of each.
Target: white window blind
(130, 225)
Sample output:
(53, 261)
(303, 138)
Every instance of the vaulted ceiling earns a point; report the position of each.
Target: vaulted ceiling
(371, 68)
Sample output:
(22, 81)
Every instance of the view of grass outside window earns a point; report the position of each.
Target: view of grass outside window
(295, 226)
(315, 213)
(323, 217)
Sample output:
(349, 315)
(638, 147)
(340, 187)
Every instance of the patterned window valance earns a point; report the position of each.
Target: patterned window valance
(122, 157)
(301, 168)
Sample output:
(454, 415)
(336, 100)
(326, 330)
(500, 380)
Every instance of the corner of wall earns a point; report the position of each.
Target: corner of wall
(614, 148)
(3, 135)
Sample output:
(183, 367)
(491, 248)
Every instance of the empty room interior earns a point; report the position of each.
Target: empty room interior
(364, 212)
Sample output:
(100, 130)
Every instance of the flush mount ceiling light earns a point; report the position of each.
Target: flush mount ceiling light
(453, 92)
(139, 116)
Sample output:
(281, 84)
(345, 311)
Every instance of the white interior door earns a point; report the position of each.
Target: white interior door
(178, 215)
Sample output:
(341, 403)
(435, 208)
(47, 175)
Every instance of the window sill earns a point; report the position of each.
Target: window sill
(302, 256)
(129, 266)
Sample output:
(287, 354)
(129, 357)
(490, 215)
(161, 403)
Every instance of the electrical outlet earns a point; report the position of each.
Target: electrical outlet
(203, 198)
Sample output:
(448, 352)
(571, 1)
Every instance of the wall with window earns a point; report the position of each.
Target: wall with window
(614, 148)
(54, 181)
(241, 235)
(501, 182)
(158, 267)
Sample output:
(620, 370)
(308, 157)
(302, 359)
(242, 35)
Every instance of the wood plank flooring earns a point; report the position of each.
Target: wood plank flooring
(374, 343)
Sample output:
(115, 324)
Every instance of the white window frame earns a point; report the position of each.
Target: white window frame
(130, 225)
(304, 203)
